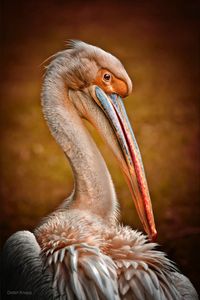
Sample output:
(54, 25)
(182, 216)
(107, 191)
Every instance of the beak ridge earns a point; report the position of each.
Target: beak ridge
(114, 109)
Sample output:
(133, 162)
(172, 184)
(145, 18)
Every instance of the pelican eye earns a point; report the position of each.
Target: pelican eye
(107, 77)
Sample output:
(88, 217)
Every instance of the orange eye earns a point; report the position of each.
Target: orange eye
(106, 77)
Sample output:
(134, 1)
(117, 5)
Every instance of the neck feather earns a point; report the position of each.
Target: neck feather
(93, 187)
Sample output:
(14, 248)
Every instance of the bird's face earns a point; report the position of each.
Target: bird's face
(110, 84)
(101, 104)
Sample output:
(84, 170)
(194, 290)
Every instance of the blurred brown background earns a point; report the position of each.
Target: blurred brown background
(158, 42)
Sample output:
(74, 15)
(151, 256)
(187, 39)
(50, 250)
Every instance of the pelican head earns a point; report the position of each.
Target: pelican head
(96, 82)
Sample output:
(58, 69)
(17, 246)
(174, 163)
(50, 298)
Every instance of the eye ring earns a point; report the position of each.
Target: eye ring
(107, 77)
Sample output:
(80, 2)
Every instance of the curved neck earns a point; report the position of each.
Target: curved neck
(94, 189)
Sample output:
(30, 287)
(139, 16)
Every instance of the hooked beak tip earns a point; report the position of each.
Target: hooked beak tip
(153, 236)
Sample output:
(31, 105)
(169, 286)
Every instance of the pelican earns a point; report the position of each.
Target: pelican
(80, 251)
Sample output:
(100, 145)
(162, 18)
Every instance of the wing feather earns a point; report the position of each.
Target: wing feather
(136, 289)
(145, 281)
(89, 288)
(184, 286)
(23, 267)
(80, 264)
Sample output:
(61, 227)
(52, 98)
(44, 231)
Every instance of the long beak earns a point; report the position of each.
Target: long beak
(114, 109)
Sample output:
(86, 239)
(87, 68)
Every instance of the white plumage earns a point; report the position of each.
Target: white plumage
(81, 251)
